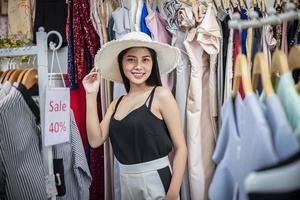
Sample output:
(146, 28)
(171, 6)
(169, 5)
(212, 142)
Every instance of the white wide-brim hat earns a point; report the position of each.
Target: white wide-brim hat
(106, 58)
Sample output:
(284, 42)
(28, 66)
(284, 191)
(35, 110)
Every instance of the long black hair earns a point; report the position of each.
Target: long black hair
(154, 78)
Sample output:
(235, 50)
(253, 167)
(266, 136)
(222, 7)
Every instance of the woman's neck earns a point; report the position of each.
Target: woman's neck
(135, 89)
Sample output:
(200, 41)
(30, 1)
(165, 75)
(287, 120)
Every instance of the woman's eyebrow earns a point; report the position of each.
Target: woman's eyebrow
(135, 56)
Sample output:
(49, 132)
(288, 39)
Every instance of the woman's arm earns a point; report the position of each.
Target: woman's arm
(170, 113)
(97, 132)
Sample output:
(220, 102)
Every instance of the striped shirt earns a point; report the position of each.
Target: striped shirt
(4, 89)
(22, 174)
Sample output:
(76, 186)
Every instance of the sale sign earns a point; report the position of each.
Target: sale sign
(57, 116)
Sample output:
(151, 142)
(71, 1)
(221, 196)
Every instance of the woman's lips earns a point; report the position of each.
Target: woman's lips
(138, 75)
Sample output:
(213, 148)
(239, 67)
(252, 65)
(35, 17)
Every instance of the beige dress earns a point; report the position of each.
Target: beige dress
(21, 15)
(202, 45)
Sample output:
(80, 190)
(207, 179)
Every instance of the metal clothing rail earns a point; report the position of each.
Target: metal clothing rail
(272, 19)
(41, 50)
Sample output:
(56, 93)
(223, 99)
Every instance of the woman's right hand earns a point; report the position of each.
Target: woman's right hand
(91, 82)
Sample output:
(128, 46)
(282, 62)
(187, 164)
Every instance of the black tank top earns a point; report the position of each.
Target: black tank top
(140, 136)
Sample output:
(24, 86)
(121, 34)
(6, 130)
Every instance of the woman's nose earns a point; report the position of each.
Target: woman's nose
(138, 65)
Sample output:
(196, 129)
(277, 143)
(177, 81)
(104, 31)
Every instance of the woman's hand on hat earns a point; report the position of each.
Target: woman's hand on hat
(91, 82)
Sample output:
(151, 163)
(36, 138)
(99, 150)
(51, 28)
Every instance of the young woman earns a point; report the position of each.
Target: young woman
(143, 125)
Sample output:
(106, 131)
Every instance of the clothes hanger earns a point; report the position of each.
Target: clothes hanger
(30, 78)
(14, 75)
(293, 58)
(30, 65)
(243, 4)
(260, 67)
(294, 63)
(9, 73)
(21, 75)
(279, 63)
(3, 76)
(242, 72)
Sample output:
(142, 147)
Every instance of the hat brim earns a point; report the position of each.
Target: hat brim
(106, 59)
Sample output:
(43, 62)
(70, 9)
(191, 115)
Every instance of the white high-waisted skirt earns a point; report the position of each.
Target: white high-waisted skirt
(145, 181)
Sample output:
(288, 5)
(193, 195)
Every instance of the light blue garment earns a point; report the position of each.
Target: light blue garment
(290, 101)
(121, 22)
(285, 142)
(244, 144)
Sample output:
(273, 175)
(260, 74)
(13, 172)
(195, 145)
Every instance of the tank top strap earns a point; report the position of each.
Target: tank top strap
(116, 107)
(150, 97)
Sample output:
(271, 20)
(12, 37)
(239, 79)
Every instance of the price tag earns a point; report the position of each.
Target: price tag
(57, 116)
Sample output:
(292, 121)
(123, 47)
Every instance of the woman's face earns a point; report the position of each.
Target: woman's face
(137, 65)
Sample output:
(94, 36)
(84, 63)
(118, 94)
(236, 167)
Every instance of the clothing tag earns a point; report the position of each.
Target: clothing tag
(221, 15)
(50, 186)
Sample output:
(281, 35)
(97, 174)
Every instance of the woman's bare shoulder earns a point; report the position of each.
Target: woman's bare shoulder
(163, 93)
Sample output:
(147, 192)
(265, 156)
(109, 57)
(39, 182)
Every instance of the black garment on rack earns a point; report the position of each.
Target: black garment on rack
(225, 32)
(292, 33)
(58, 168)
(52, 15)
(257, 36)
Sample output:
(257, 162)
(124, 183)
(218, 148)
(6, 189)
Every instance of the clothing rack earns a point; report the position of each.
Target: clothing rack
(272, 19)
(40, 50)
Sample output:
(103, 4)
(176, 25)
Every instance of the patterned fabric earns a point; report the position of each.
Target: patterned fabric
(95, 18)
(171, 8)
(3, 26)
(83, 33)
(278, 28)
(86, 44)
(70, 37)
(21, 19)
(23, 171)
(20, 154)
(76, 170)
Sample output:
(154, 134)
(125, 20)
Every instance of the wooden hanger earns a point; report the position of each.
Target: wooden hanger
(242, 72)
(14, 75)
(279, 63)
(30, 78)
(8, 74)
(3, 76)
(261, 68)
(294, 58)
(21, 75)
(294, 62)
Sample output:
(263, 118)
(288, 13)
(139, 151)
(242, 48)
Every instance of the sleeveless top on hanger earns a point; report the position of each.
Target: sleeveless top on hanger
(140, 136)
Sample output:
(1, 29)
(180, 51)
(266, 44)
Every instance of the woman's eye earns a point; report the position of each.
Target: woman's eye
(130, 59)
(146, 60)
